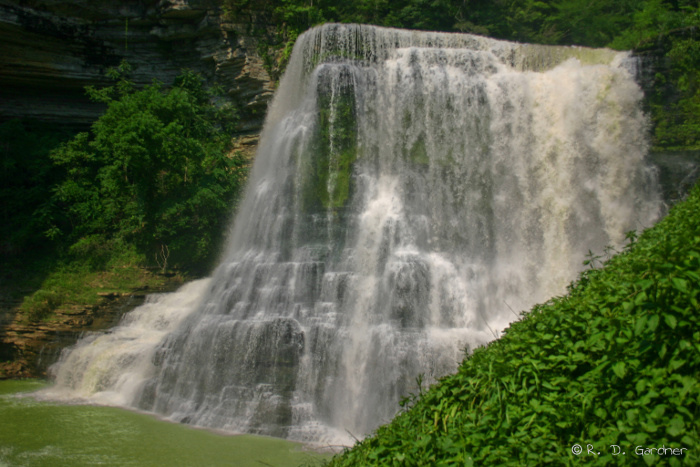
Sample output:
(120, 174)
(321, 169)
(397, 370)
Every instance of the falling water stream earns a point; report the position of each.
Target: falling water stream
(412, 191)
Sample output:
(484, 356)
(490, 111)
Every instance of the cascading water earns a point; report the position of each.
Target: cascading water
(409, 189)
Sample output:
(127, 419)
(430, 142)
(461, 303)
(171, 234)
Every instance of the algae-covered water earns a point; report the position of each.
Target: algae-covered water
(38, 433)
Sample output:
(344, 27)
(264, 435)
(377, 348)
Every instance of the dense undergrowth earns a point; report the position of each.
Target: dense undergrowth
(613, 364)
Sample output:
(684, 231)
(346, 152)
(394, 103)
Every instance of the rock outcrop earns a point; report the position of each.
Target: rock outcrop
(52, 49)
(28, 348)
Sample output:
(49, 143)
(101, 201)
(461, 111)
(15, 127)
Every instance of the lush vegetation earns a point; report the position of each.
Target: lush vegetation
(667, 25)
(595, 23)
(615, 362)
(153, 172)
(72, 282)
(152, 183)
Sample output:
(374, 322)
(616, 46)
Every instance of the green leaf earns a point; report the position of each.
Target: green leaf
(689, 383)
(641, 385)
(676, 426)
(680, 284)
(619, 369)
(640, 299)
(670, 320)
(578, 357)
(658, 411)
(652, 323)
(650, 426)
(676, 363)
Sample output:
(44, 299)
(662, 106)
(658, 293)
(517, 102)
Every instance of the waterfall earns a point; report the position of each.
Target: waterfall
(411, 192)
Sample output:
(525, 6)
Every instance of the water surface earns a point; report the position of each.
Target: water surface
(37, 433)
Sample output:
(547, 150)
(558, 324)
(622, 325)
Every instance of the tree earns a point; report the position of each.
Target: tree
(153, 171)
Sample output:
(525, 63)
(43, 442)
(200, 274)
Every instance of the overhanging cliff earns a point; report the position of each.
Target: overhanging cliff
(52, 49)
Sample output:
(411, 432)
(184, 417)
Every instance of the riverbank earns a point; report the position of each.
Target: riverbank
(47, 307)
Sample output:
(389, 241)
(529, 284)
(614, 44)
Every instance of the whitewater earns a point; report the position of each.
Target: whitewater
(412, 193)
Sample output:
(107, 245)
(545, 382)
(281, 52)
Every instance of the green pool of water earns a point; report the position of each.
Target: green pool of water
(34, 433)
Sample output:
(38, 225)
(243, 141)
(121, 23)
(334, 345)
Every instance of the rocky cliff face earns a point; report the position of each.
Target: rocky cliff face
(52, 49)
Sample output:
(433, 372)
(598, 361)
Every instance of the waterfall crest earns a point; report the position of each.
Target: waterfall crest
(410, 190)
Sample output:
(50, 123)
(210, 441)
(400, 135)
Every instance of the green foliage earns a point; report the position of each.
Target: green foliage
(339, 143)
(93, 264)
(153, 171)
(592, 23)
(614, 362)
(292, 17)
(675, 103)
(651, 19)
(295, 16)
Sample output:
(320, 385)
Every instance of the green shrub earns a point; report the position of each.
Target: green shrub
(40, 304)
(154, 171)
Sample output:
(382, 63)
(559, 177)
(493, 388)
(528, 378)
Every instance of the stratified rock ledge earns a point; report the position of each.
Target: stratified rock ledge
(52, 49)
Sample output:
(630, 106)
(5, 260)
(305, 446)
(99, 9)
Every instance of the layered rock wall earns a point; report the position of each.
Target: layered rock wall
(52, 49)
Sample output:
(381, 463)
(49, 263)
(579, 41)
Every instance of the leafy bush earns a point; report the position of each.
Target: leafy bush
(615, 362)
(154, 171)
